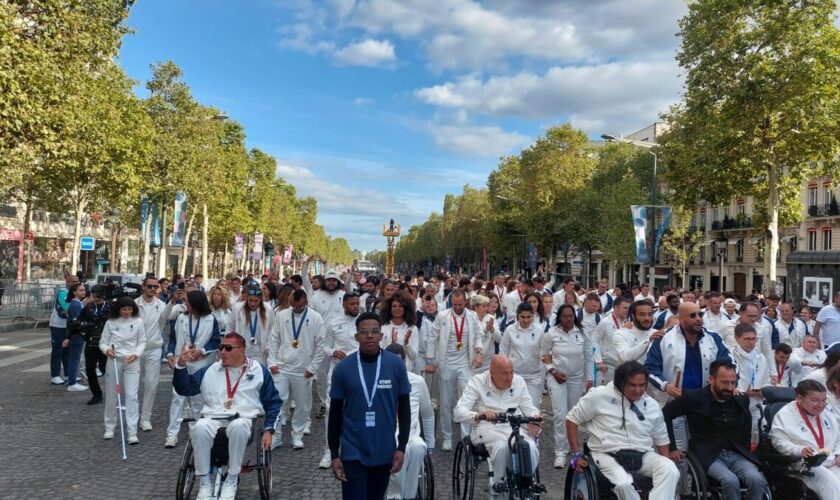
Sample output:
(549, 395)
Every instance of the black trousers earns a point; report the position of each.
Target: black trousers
(94, 357)
(363, 482)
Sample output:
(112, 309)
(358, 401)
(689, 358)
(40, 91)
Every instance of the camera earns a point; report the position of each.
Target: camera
(112, 290)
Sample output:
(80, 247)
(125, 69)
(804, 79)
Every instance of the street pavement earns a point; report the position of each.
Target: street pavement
(51, 444)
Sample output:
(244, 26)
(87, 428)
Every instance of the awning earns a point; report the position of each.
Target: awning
(814, 258)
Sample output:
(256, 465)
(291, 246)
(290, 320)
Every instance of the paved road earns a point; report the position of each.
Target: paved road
(52, 444)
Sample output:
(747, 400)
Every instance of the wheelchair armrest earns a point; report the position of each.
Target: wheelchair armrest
(779, 459)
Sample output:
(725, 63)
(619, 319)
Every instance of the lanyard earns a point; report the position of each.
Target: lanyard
(232, 391)
(253, 325)
(194, 333)
(790, 327)
(369, 395)
(819, 437)
(459, 332)
(521, 296)
(296, 329)
(615, 320)
(780, 371)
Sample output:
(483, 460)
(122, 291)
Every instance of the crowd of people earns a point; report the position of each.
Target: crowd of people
(636, 367)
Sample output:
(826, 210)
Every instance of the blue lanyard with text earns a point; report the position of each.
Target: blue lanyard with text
(369, 395)
(194, 333)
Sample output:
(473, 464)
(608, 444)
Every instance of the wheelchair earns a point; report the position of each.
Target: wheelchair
(426, 484)
(518, 482)
(186, 488)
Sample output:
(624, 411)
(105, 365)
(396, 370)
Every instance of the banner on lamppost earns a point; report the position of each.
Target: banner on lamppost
(238, 243)
(287, 254)
(532, 257)
(154, 238)
(640, 226)
(258, 246)
(179, 226)
(661, 228)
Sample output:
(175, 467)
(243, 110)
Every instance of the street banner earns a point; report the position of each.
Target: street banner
(238, 243)
(154, 238)
(144, 215)
(287, 255)
(662, 228)
(640, 226)
(532, 257)
(258, 246)
(179, 226)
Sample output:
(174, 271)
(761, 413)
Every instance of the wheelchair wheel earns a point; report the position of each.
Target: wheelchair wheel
(264, 473)
(186, 475)
(581, 485)
(426, 485)
(463, 473)
(692, 484)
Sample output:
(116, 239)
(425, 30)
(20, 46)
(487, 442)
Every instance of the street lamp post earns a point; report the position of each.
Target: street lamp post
(721, 244)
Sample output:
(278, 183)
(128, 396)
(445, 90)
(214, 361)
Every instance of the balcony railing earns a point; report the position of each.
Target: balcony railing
(831, 209)
(729, 223)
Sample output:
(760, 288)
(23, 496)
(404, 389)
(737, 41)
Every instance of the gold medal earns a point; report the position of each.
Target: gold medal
(458, 346)
(824, 450)
(228, 404)
(295, 344)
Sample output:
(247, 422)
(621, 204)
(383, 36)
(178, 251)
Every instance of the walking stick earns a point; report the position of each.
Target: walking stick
(120, 407)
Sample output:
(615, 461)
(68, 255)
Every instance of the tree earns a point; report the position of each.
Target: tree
(761, 101)
(682, 242)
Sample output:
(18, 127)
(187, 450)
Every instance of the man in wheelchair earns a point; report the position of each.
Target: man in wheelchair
(233, 385)
(489, 394)
(625, 427)
(803, 429)
(720, 428)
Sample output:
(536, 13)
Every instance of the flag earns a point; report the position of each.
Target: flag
(179, 226)
(237, 246)
(144, 215)
(154, 238)
(258, 246)
(663, 227)
(640, 225)
(287, 255)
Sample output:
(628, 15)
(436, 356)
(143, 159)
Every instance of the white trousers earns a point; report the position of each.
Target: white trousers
(664, 472)
(177, 407)
(294, 387)
(826, 482)
(535, 388)
(204, 432)
(150, 369)
(322, 376)
(129, 385)
(495, 439)
(453, 379)
(563, 398)
(404, 483)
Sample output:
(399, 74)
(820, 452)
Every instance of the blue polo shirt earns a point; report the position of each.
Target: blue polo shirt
(369, 445)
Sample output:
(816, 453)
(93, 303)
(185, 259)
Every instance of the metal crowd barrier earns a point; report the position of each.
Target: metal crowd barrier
(29, 302)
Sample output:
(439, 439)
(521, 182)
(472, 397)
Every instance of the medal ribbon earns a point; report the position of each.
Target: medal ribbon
(254, 320)
(780, 371)
(193, 333)
(296, 329)
(459, 332)
(232, 391)
(819, 437)
(615, 320)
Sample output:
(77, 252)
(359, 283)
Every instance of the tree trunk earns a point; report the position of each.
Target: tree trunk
(26, 275)
(161, 272)
(771, 234)
(144, 240)
(224, 261)
(182, 265)
(77, 233)
(204, 241)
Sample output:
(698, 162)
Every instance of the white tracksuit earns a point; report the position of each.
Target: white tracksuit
(791, 334)
(813, 358)
(790, 434)
(454, 366)
(511, 301)
(480, 395)
(613, 425)
(411, 348)
(522, 346)
(790, 372)
(571, 354)
(293, 362)
(752, 374)
(154, 319)
(256, 346)
(340, 336)
(205, 330)
(715, 322)
(603, 342)
(404, 483)
(631, 344)
(128, 336)
(223, 318)
(488, 339)
(329, 306)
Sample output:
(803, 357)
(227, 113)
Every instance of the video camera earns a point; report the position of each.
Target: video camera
(113, 290)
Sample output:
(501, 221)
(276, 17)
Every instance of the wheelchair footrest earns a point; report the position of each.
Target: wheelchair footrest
(500, 487)
(247, 467)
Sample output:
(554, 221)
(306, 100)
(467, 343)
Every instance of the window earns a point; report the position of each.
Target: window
(793, 243)
(739, 251)
(715, 212)
(828, 195)
(703, 220)
(726, 212)
(741, 210)
(812, 196)
(812, 240)
(826, 234)
(703, 254)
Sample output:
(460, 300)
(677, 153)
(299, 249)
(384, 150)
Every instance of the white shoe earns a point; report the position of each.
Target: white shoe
(171, 441)
(228, 491)
(108, 435)
(205, 492)
(560, 462)
(276, 441)
(447, 445)
(146, 425)
(133, 439)
(326, 460)
(307, 430)
(57, 381)
(297, 444)
(99, 373)
(77, 387)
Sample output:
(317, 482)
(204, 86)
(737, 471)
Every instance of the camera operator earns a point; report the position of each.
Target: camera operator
(89, 324)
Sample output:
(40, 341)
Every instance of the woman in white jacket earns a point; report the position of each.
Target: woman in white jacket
(567, 355)
(521, 343)
(399, 326)
(123, 341)
(253, 321)
(220, 305)
(489, 329)
(803, 428)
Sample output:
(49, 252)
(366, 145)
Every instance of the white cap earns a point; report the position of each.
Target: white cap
(729, 301)
(332, 275)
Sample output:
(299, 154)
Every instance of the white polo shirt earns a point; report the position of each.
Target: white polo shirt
(829, 320)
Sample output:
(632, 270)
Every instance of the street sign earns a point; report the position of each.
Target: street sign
(87, 243)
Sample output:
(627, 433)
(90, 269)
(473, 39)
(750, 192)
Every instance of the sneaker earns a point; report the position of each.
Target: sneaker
(321, 411)
(108, 435)
(171, 441)
(276, 441)
(228, 491)
(77, 387)
(146, 425)
(560, 462)
(205, 492)
(99, 373)
(297, 444)
(132, 439)
(447, 445)
(57, 381)
(326, 460)
(307, 430)
(95, 400)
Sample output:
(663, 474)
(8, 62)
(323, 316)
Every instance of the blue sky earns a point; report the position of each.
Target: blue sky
(379, 108)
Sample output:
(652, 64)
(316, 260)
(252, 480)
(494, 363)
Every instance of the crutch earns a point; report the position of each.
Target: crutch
(120, 407)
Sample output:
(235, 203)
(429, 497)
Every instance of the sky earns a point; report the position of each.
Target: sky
(379, 108)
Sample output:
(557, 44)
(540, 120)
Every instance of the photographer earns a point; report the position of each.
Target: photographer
(89, 324)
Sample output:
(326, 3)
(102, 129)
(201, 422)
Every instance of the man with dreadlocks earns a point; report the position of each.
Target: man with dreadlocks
(627, 434)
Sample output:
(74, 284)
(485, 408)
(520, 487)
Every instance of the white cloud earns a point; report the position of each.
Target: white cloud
(363, 101)
(486, 141)
(368, 52)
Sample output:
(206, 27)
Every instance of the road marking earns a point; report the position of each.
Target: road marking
(19, 345)
(45, 368)
(22, 358)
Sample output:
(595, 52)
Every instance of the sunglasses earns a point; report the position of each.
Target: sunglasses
(228, 347)
(152, 287)
(694, 315)
(257, 293)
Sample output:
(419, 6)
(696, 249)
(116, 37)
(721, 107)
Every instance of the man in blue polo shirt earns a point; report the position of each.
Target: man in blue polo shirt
(369, 391)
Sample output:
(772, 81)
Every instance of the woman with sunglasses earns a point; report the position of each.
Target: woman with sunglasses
(399, 326)
(567, 356)
(253, 320)
(198, 332)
